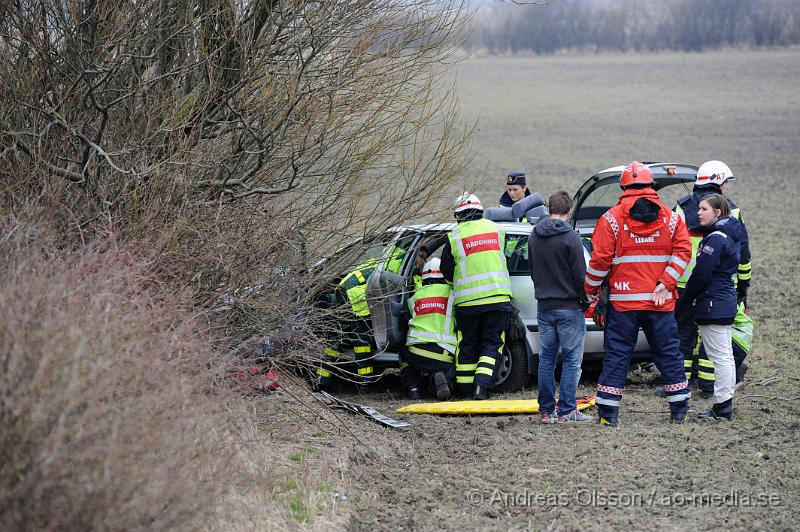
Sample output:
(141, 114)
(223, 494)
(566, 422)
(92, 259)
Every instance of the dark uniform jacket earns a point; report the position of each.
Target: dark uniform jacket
(711, 284)
(691, 204)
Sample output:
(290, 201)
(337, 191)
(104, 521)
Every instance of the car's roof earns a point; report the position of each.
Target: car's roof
(514, 227)
(658, 168)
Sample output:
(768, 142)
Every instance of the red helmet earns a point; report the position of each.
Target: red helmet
(636, 174)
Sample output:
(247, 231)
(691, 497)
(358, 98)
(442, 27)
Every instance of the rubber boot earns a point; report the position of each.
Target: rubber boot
(679, 418)
(441, 386)
(608, 422)
(650, 367)
(706, 392)
(741, 371)
(606, 417)
(414, 394)
(481, 393)
(718, 411)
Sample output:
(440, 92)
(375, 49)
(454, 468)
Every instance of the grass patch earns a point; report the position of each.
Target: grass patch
(299, 509)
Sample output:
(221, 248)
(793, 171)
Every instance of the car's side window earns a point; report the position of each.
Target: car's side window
(517, 254)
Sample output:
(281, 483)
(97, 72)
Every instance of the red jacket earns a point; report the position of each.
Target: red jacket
(637, 255)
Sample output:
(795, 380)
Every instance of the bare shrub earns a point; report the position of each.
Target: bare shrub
(156, 158)
(109, 417)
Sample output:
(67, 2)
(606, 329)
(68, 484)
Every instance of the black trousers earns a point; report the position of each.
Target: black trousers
(414, 368)
(480, 346)
(694, 365)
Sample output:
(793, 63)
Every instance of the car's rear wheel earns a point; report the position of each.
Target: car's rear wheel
(512, 375)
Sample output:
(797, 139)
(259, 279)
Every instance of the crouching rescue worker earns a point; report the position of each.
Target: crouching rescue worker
(643, 247)
(431, 345)
(473, 261)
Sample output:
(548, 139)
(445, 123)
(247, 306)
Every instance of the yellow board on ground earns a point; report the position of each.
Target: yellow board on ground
(494, 406)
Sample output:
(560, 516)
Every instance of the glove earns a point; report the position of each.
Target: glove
(741, 293)
(584, 303)
(601, 307)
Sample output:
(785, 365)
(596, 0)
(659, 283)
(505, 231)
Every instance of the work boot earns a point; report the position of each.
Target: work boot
(481, 393)
(650, 367)
(707, 394)
(414, 394)
(741, 371)
(694, 383)
(441, 386)
(608, 421)
(679, 418)
(718, 411)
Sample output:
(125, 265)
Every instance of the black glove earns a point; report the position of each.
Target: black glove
(601, 307)
(741, 293)
(584, 304)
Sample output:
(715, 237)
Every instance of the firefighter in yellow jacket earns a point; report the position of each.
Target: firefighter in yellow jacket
(431, 343)
(473, 261)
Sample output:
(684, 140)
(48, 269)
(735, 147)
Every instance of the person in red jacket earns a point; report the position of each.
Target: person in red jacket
(641, 247)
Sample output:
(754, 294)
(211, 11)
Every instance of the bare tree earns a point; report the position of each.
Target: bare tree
(254, 131)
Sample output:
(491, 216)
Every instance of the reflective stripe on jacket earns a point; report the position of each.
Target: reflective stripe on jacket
(480, 265)
(432, 318)
(742, 331)
(354, 287)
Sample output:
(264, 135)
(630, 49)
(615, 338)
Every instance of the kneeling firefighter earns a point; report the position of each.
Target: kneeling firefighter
(432, 343)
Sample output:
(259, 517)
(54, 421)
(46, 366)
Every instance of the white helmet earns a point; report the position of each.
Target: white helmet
(466, 202)
(713, 173)
(432, 269)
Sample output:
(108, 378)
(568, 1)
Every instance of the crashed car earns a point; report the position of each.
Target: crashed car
(388, 291)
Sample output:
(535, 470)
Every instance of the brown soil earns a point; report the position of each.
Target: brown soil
(508, 472)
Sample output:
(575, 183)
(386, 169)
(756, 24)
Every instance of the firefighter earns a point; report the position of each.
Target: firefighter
(431, 343)
(473, 261)
(713, 177)
(642, 247)
(356, 330)
(742, 336)
(711, 292)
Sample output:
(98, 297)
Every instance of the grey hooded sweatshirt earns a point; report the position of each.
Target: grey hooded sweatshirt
(557, 266)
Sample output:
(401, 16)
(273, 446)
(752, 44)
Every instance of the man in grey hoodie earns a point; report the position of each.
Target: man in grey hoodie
(558, 270)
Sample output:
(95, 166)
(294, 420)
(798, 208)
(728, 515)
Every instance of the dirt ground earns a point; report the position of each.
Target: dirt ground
(508, 472)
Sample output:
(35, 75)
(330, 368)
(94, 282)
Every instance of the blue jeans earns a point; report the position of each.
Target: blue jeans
(565, 329)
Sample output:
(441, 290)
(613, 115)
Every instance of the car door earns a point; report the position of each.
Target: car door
(387, 295)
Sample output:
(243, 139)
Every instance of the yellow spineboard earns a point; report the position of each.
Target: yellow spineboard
(494, 406)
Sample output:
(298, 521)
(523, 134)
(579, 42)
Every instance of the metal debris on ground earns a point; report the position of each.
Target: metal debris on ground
(366, 411)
